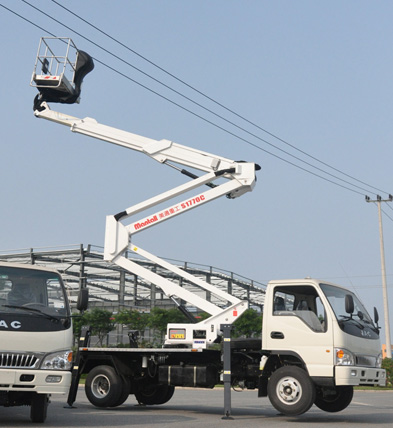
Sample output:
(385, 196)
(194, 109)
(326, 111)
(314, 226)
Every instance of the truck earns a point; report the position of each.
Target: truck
(318, 340)
(36, 337)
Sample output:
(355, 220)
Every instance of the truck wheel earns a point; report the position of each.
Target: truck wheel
(125, 392)
(39, 407)
(336, 402)
(103, 386)
(166, 394)
(155, 394)
(291, 391)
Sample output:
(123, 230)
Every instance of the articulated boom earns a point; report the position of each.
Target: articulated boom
(239, 178)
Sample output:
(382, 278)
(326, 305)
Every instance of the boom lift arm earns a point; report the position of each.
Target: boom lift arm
(239, 178)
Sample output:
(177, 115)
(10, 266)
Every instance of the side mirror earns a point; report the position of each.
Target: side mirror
(83, 299)
(376, 317)
(349, 305)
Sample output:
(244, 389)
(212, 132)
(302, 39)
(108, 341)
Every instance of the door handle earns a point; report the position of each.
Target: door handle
(277, 335)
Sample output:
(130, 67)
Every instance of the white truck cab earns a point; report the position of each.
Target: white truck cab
(324, 329)
(35, 337)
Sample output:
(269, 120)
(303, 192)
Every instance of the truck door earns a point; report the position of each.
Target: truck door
(298, 324)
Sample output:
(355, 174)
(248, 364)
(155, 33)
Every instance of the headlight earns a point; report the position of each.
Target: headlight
(61, 360)
(379, 361)
(343, 357)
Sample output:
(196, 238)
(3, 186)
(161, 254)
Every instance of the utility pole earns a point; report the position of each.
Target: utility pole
(384, 286)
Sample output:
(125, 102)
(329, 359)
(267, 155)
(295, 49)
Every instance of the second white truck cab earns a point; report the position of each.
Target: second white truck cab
(36, 337)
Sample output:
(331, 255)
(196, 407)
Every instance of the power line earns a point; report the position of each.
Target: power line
(220, 104)
(191, 112)
(27, 20)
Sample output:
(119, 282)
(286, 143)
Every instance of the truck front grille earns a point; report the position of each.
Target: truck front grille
(18, 361)
(366, 360)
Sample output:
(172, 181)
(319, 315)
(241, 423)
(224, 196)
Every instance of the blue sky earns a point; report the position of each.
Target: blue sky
(316, 74)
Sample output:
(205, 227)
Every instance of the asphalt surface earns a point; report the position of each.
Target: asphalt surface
(205, 408)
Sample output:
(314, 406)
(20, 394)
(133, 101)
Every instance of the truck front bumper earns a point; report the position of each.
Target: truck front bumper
(40, 381)
(352, 375)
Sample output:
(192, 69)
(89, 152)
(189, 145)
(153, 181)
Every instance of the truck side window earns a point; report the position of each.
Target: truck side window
(302, 302)
(283, 303)
(321, 313)
(279, 304)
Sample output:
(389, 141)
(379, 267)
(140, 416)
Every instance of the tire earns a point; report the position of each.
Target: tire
(167, 392)
(336, 402)
(39, 407)
(103, 386)
(155, 394)
(291, 391)
(125, 392)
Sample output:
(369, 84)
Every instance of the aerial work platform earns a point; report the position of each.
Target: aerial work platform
(58, 78)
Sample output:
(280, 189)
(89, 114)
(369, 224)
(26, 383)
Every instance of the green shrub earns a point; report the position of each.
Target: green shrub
(387, 364)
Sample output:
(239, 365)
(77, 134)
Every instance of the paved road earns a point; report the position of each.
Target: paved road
(204, 408)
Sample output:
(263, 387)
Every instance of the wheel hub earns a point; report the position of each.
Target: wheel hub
(100, 386)
(289, 390)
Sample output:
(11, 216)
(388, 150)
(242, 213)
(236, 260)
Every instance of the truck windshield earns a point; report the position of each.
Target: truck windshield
(32, 300)
(359, 323)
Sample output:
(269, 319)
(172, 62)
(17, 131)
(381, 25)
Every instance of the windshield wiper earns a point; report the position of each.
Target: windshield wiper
(38, 311)
(371, 325)
(347, 318)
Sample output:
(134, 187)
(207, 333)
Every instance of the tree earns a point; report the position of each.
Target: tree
(101, 322)
(248, 325)
(387, 364)
(133, 319)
